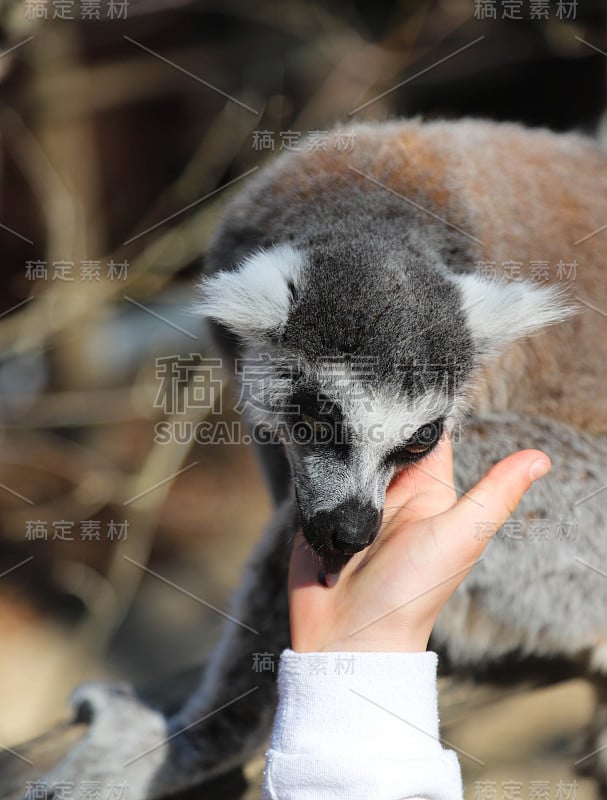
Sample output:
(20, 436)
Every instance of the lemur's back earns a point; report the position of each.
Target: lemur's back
(482, 195)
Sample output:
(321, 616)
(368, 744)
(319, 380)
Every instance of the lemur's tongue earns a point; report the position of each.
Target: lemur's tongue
(332, 563)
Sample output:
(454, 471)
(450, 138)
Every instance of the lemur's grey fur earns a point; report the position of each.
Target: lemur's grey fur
(354, 269)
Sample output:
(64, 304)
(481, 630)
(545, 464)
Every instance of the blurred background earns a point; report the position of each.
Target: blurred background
(125, 126)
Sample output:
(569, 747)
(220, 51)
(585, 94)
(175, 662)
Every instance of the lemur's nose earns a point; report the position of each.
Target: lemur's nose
(349, 527)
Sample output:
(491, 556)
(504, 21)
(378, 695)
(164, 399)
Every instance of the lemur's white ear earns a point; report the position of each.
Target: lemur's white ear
(255, 298)
(499, 312)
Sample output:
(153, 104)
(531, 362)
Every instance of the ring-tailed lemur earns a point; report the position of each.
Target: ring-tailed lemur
(352, 278)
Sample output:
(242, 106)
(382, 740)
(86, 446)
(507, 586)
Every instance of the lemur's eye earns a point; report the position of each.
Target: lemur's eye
(422, 441)
(416, 448)
(425, 437)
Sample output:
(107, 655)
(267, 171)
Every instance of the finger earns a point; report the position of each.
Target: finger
(494, 498)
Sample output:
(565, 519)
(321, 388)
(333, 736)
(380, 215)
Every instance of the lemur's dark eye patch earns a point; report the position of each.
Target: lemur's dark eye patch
(315, 406)
(420, 444)
(317, 420)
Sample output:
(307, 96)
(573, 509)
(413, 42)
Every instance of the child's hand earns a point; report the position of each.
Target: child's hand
(387, 598)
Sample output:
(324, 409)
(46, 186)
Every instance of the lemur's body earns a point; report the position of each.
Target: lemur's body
(521, 196)
(371, 253)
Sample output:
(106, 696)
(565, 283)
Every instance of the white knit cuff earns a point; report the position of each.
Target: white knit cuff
(365, 721)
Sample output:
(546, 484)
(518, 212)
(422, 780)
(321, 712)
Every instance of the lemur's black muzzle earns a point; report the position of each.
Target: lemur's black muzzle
(349, 527)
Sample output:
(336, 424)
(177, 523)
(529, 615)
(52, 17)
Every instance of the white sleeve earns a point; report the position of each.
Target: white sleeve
(358, 725)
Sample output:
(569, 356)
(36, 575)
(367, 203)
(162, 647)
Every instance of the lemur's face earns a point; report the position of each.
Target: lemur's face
(346, 434)
(359, 361)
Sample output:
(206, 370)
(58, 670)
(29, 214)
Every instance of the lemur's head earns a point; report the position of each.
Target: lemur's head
(358, 359)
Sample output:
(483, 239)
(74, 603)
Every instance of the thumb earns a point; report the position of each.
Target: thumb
(495, 497)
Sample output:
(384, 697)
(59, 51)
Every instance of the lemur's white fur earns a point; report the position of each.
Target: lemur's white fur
(499, 312)
(255, 297)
